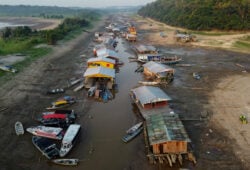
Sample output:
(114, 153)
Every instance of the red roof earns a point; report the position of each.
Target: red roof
(55, 116)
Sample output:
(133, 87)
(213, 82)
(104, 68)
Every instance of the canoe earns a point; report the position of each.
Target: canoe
(19, 128)
(68, 162)
(134, 128)
(128, 137)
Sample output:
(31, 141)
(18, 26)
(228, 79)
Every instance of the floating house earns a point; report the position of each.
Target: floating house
(145, 49)
(105, 52)
(166, 138)
(150, 98)
(99, 76)
(158, 72)
(101, 61)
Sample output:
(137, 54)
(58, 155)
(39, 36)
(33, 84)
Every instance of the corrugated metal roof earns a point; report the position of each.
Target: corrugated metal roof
(145, 48)
(104, 52)
(165, 127)
(101, 59)
(150, 94)
(157, 67)
(99, 70)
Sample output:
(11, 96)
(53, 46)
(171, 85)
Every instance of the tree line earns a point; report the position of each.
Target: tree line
(200, 14)
(48, 36)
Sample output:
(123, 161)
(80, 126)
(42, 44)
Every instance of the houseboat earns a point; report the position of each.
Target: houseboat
(158, 72)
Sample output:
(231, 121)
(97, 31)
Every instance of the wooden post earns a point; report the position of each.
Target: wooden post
(169, 161)
(180, 159)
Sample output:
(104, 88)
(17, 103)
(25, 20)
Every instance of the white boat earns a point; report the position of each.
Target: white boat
(69, 139)
(79, 87)
(134, 128)
(149, 82)
(19, 128)
(68, 162)
(47, 132)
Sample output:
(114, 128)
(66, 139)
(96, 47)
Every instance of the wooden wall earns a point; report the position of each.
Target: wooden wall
(170, 147)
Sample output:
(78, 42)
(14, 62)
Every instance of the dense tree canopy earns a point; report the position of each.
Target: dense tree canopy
(200, 14)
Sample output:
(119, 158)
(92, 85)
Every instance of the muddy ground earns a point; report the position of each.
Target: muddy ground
(24, 97)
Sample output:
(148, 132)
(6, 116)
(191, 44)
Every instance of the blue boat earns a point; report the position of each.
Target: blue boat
(128, 137)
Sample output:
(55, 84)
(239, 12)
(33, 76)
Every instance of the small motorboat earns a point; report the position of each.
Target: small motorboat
(91, 91)
(19, 128)
(46, 146)
(129, 136)
(60, 118)
(134, 128)
(47, 132)
(68, 162)
(8, 68)
(62, 102)
(56, 91)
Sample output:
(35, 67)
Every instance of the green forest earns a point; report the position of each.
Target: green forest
(200, 14)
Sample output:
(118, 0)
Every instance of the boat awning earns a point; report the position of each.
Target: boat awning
(96, 59)
(150, 94)
(157, 67)
(100, 72)
(165, 127)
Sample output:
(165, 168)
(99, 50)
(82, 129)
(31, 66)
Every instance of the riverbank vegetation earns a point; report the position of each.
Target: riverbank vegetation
(32, 43)
(20, 39)
(200, 14)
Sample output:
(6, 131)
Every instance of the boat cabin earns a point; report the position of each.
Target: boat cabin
(99, 76)
(101, 61)
(158, 72)
(69, 139)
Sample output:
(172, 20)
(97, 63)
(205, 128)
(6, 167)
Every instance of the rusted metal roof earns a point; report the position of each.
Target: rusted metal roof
(165, 127)
(145, 48)
(150, 94)
(157, 67)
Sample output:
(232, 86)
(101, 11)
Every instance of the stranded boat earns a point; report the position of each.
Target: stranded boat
(19, 128)
(158, 58)
(68, 162)
(47, 132)
(61, 118)
(130, 136)
(134, 128)
(46, 146)
(62, 102)
(69, 139)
